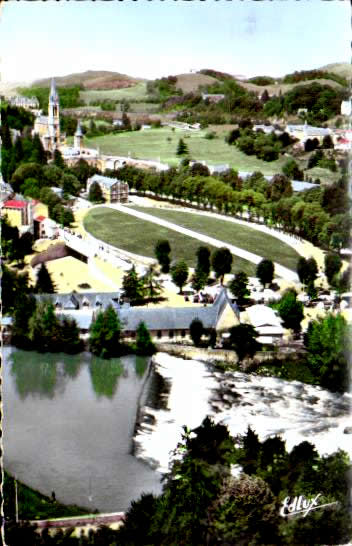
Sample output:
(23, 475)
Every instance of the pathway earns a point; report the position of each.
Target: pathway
(302, 247)
(282, 271)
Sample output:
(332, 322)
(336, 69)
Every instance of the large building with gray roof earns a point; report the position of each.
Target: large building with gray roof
(163, 323)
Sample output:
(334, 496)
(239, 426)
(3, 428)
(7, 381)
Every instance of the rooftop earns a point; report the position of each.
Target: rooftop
(15, 204)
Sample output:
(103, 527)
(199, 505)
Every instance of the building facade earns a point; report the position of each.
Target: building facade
(114, 191)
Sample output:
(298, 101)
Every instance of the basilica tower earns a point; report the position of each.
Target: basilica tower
(54, 117)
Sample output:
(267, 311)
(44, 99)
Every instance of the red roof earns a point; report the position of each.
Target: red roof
(40, 218)
(13, 203)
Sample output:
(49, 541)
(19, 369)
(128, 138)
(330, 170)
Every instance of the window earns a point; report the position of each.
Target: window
(158, 334)
(171, 334)
(183, 333)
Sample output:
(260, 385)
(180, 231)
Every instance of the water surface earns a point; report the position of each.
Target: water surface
(69, 423)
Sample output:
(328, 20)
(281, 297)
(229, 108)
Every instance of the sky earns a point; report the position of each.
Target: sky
(150, 39)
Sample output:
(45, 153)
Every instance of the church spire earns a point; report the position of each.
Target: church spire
(53, 97)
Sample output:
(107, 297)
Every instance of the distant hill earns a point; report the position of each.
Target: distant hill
(341, 69)
(91, 79)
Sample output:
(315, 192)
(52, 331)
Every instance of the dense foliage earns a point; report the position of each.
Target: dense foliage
(69, 96)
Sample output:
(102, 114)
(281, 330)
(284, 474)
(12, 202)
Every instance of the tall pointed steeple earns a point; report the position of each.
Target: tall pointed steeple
(53, 97)
(53, 117)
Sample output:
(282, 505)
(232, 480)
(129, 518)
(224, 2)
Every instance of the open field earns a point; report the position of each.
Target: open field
(139, 236)
(135, 92)
(155, 143)
(235, 234)
(190, 82)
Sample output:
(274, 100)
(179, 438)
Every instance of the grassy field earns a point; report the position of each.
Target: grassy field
(242, 236)
(139, 236)
(136, 92)
(162, 143)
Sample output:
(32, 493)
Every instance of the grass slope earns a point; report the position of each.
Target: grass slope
(85, 78)
(135, 92)
(154, 143)
(242, 236)
(139, 236)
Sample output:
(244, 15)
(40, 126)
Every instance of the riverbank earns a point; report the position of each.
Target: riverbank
(32, 504)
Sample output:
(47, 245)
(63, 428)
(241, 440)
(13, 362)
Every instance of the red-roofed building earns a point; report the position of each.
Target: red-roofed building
(18, 212)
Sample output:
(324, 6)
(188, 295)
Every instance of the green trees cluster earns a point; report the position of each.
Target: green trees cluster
(36, 326)
(327, 342)
(322, 102)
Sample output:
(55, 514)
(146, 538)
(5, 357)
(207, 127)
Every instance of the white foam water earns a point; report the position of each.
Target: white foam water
(296, 411)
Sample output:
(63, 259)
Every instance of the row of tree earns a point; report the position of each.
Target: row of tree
(319, 215)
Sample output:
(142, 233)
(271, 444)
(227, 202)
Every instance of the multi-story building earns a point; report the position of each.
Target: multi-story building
(113, 190)
(19, 213)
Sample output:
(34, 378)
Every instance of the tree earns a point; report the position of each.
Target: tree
(44, 328)
(58, 159)
(181, 148)
(151, 283)
(243, 341)
(265, 271)
(292, 171)
(44, 283)
(162, 251)
(133, 286)
(144, 344)
(179, 274)
(327, 343)
(327, 142)
(303, 270)
(70, 184)
(196, 330)
(291, 311)
(24, 307)
(105, 331)
(202, 269)
(312, 270)
(95, 194)
(278, 187)
(203, 260)
(239, 287)
(333, 264)
(221, 261)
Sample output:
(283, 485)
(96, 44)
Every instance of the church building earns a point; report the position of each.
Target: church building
(48, 127)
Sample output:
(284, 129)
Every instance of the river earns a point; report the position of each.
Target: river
(269, 405)
(68, 427)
